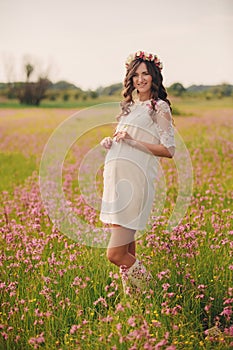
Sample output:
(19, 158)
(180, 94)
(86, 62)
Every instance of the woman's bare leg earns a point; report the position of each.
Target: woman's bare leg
(121, 252)
(121, 246)
(132, 248)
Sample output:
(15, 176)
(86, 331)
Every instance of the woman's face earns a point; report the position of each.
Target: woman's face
(142, 80)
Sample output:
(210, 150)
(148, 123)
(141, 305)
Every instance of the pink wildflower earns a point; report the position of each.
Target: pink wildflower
(131, 321)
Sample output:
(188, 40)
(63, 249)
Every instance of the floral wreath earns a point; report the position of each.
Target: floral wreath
(145, 57)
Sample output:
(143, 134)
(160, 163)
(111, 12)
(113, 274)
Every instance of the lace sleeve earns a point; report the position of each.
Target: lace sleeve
(164, 125)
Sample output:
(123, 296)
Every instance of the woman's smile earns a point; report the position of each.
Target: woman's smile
(141, 85)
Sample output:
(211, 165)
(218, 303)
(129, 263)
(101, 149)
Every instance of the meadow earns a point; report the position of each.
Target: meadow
(57, 293)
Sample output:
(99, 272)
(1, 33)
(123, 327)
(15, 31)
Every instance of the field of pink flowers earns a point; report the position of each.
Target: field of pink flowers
(59, 294)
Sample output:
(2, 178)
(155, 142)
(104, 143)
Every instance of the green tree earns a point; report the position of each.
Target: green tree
(177, 89)
(76, 95)
(31, 93)
(66, 96)
(29, 69)
(226, 89)
(93, 94)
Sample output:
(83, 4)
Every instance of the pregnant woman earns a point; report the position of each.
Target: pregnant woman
(143, 134)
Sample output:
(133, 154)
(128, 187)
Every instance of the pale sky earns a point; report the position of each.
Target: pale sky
(87, 42)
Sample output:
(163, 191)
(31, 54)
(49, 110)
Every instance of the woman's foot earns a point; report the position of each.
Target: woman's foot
(135, 278)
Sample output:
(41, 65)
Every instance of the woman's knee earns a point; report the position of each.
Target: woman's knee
(114, 256)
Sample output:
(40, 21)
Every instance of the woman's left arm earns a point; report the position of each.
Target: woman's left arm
(157, 150)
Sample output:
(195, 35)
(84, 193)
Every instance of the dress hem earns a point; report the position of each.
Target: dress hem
(120, 224)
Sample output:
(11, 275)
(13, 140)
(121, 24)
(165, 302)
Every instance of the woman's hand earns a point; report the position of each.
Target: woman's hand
(106, 142)
(122, 135)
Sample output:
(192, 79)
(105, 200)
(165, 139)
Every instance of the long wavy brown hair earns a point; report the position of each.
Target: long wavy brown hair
(157, 88)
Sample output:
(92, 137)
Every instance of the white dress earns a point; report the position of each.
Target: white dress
(129, 172)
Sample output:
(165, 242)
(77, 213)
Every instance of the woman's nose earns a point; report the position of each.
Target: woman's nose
(140, 78)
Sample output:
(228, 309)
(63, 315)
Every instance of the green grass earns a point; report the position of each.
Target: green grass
(60, 103)
(50, 283)
(200, 105)
(15, 169)
(180, 104)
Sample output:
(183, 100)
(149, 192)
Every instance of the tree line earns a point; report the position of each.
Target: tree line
(33, 92)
